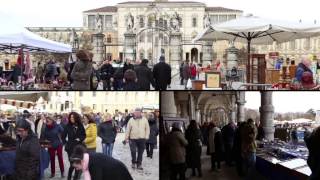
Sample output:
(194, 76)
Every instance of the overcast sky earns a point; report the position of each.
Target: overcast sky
(287, 101)
(68, 13)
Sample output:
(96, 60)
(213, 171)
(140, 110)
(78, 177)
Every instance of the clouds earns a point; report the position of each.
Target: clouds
(67, 13)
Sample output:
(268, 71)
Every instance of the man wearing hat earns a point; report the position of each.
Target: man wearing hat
(27, 153)
(137, 133)
(162, 74)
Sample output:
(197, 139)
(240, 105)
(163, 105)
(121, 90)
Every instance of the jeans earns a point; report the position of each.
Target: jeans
(249, 164)
(107, 149)
(149, 148)
(137, 147)
(118, 84)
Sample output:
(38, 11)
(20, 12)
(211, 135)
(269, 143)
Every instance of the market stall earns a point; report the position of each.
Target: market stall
(15, 39)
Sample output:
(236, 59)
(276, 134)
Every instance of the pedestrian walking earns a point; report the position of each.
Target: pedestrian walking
(154, 132)
(91, 133)
(106, 75)
(53, 133)
(144, 76)
(130, 80)
(81, 72)
(107, 131)
(74, 134)
(137, 133)
(162, 74)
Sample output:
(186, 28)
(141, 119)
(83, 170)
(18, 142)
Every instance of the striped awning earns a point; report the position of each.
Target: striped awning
(19, 104)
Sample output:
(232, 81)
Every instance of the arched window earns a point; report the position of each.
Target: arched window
(109, 39)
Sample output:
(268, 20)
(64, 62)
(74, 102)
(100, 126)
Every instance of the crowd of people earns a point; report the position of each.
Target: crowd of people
(77, 135)
(233, 144)
(85, 74)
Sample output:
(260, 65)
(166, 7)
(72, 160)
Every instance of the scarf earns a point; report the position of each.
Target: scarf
(85, 168)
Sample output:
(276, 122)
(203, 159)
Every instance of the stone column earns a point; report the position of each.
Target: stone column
(98, 48)
(207, 51)
(168, 106)
(240, 106)
(175, 49)
(232, 57)
(184, 109)
(267, 114)
(233, 111)
(129, 45)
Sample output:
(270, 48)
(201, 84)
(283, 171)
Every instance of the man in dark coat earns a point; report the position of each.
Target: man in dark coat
(228, 132)
(106, 75)
(162, 74)
(127, 65)
(144, 75)
(312, 142)
(107, 131)
(154, 132)
(27, 153)
(181, 73)
(50, 71)
(100, 167)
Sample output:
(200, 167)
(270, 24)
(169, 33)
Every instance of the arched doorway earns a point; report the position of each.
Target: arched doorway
(194, 54)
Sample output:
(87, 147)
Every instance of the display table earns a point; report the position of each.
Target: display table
(8, 158)
(197, 84)
(281, 165)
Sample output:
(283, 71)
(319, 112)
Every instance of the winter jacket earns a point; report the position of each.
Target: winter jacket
(102, 167)
(300, 70)
(107, 131)
(193, 150)
(162, 74)
(106, 72)
(130, 86)
(127, 66)
(144, 76)
(248, 136)
(53, 134)
(211, 140)
(73, 132)
(193, 70)
(186, 74)
(28, 158)
(176, 144)
(154, 132)
(138, 129)
(91, 135)
(81, 74)
(51, 70)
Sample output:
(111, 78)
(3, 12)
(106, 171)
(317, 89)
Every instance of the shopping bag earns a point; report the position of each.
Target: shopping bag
(189, 84)
(100, 86)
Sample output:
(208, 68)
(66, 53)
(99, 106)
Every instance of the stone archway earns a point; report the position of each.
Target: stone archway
(194, 55)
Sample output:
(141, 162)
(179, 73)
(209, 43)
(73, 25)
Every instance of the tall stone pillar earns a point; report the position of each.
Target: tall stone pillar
(207, 51)
(233, 111)
(240, 106)
(267, 114)
(130, 45)
(184, 109)
(175, 49)
(168, 106)
(98, 48)
(232, 57)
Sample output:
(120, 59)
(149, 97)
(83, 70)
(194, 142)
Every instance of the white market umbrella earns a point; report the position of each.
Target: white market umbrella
(255, 30)
(13, 37)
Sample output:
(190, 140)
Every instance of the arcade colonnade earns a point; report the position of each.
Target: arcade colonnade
(220, 107)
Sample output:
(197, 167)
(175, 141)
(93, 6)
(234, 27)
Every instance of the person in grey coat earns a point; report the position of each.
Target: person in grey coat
(154, 132)
(81, 72)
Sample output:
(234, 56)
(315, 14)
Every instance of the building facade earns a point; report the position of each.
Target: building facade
(64, 101)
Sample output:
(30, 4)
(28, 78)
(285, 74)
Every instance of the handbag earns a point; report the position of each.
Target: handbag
(189, 84)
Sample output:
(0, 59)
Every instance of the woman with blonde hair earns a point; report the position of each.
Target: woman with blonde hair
(107, 131)
(91, 132)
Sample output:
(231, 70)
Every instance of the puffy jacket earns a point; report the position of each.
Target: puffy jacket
(53, 134)
(138, 129)
(107, 131)
(91, 135)
(176, 142)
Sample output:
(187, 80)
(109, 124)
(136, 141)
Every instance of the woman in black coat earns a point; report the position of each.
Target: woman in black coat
(130, 78)
(144, 76)
(76, 135)
(193, 135)
(98, 166)
(154, 132)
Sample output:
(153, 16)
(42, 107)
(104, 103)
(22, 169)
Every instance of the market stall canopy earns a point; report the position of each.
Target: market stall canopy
(24, 96)
(14, 37)
(258, 31)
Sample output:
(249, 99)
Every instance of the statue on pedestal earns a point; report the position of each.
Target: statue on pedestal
(74, 40)
(206, 21)
(175, 22)
(130, 22)
(99, 27)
